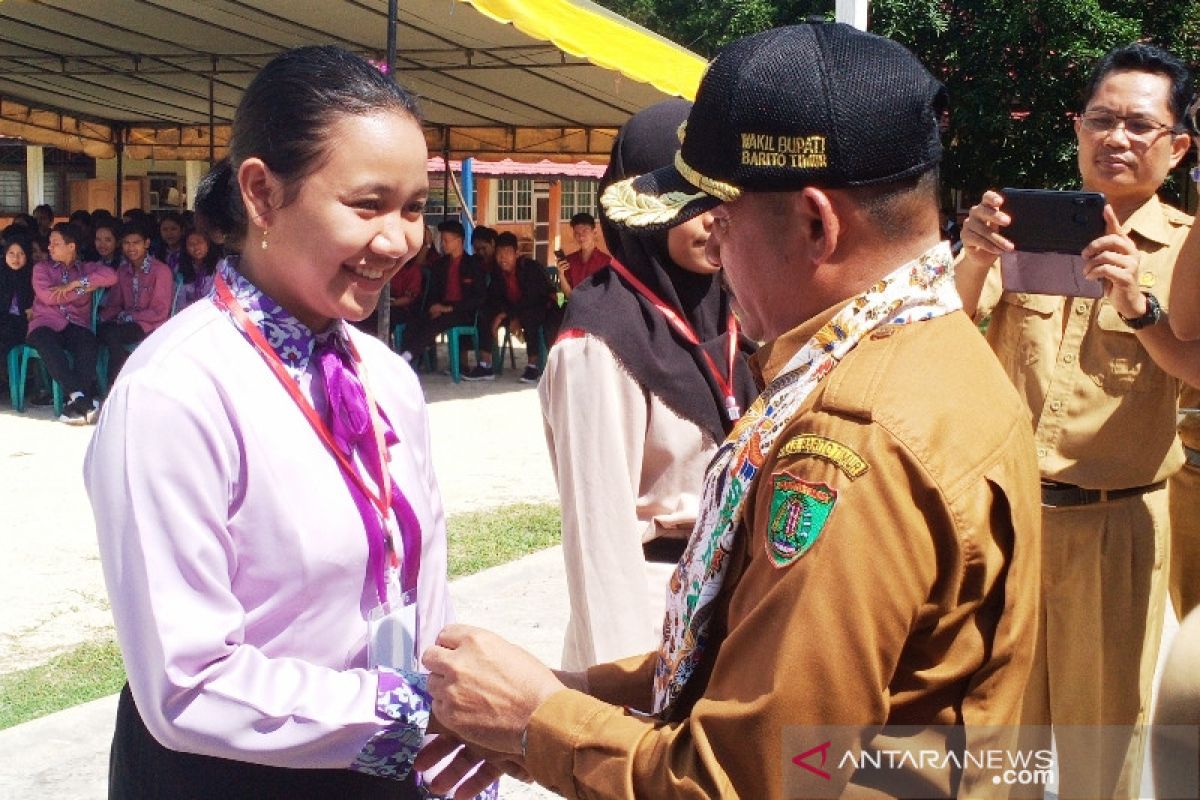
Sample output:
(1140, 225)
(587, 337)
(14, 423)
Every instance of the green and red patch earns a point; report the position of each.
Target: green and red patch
(799, 511)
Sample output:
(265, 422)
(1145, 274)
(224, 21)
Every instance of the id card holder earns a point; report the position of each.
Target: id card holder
(392, 634)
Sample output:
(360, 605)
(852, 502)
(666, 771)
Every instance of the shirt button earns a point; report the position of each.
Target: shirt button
(1024, 298)
(1056, 405)
(1081, 308)
(1069, 358)
(1042, 452)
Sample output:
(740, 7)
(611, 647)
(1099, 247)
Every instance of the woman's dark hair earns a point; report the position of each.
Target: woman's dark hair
(284, 118)
(43, 207)
(188, 268)
(107, 224)
(172, 216)
(25, 244)
(27, 221)
(1140, 57)
(81, 217)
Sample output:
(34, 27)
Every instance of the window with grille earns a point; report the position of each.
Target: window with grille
(12, 191)
(578, 196)
(514, 200)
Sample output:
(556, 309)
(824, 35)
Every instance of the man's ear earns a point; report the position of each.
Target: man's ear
(261, 191)
(820, 225)
(1179, 148)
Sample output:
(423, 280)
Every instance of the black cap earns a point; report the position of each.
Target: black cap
(821, 104)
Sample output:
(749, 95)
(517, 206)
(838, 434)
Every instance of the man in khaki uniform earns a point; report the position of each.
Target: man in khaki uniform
(862, 558)
(1103, 413)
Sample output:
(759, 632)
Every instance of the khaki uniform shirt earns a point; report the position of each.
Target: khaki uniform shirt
(1103, 411)
(916, 605)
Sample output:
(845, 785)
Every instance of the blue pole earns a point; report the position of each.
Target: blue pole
(468, 189)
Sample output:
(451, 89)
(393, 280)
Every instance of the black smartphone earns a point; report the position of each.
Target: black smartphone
(560, 255)
(1050, 221)
(1050, 228)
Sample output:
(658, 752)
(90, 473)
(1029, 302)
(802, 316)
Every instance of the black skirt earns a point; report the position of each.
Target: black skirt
(142, 769)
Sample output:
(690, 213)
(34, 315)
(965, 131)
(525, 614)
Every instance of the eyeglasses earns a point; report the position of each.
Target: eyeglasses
(1135, 127)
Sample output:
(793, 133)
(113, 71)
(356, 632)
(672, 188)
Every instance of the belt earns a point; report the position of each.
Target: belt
(1062, 495)
(1192, 456)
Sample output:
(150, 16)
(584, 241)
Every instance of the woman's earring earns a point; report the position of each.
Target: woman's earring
(264, 238)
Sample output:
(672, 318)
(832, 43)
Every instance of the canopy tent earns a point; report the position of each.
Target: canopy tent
(535, 79)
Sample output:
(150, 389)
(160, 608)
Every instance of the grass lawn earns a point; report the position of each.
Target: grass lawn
(477, 541)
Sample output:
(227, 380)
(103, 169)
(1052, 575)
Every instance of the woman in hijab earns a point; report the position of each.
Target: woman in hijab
(643, 383)
(16, 293)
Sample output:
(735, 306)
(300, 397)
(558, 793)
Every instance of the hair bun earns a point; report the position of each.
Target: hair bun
(219, 201)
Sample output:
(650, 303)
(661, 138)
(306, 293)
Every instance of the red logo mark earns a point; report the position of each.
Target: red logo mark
(823, 749)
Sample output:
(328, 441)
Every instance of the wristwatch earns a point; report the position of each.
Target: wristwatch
(1153, 314)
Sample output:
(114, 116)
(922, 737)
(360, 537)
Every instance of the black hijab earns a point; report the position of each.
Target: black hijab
(18, 282)
(644, 343)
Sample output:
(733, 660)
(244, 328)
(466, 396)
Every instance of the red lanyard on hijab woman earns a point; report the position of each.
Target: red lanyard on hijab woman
(684, 328)
(381, 499)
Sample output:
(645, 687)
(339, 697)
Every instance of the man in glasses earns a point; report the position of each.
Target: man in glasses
(1094, 374)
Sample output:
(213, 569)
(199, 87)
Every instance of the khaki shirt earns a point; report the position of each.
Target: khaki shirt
(916, 605)
(1103, 411)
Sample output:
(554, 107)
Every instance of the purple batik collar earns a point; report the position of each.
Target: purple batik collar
(292, 340)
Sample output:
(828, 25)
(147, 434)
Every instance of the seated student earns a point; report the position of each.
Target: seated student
(106, 244)
(16, 293)
(140, 302)
(62, 321)
(520, 297)
(456, 290)
(169, 247)
(197, 265)
(585, 262)
(483, 242)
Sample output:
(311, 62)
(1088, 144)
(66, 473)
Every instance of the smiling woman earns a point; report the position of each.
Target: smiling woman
(270, 526)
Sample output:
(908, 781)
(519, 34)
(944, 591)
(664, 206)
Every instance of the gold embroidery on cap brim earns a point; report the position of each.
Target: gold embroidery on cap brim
(725, 192)
(626, 205)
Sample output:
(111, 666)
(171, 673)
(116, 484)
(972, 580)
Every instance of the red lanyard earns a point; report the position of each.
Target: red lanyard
(684, 328)
(382, 499)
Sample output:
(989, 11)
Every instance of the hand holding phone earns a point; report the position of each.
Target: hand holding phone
(1047, 232)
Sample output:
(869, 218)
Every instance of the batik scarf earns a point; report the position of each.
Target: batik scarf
(920, 290)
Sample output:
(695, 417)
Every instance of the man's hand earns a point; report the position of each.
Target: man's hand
(485, 689)
(437, 309)
(980, 237)
(60, 293)
(486, 765)
(1114, 259)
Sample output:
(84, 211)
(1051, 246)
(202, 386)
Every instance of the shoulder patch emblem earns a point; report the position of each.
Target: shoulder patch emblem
(1147, 280)
(799, 511)
(836, 453)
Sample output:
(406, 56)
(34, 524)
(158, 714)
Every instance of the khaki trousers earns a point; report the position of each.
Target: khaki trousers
(1184, 493)
(1104, 589)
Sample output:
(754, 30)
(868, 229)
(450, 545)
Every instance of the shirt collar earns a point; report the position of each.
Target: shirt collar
(1150, 222)
(292, 340)
(772, 357)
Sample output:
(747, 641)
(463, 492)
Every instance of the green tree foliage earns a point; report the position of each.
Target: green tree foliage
(1015, 69)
